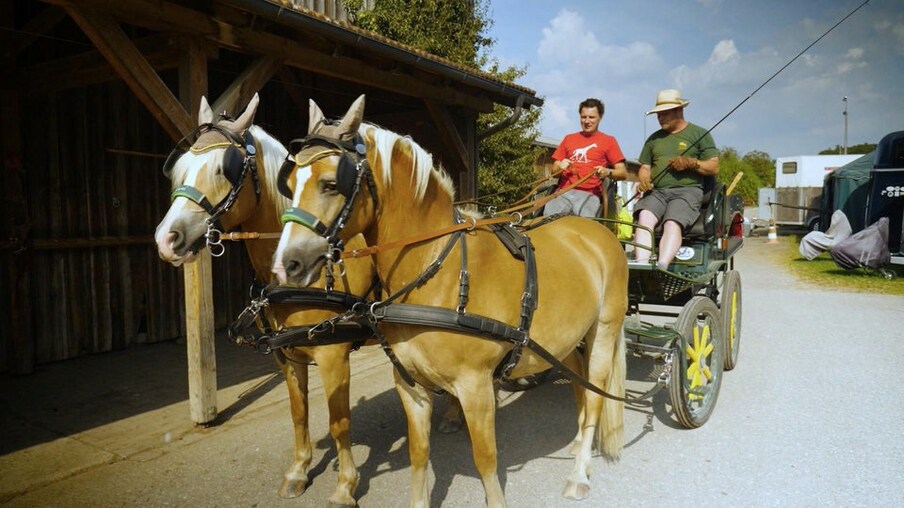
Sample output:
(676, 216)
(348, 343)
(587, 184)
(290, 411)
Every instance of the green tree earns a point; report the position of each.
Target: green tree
(456, 30)
(855, 149)
(507, 157)
(730, 164)
(762, 165)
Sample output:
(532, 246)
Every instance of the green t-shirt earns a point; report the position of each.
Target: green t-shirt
(661, 147)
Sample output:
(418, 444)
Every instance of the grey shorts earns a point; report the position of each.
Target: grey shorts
(679, 204)
(574, 201)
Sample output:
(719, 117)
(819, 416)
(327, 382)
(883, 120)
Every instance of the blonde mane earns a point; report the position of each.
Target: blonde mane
(384, 141)
(273, 154)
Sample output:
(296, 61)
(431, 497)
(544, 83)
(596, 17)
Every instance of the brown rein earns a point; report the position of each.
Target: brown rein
(515, 216)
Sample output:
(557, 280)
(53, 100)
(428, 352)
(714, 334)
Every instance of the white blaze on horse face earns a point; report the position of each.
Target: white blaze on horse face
(302, 175)
(163, 234)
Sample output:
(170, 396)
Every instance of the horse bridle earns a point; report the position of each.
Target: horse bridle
(351, 170)
(239, 160)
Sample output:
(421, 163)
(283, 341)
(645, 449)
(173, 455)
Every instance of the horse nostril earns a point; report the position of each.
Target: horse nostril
(293, 268)
(177, 240)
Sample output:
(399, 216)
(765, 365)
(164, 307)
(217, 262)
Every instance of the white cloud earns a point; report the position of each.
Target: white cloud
(725, 51)
(568, 43)
(855, 53)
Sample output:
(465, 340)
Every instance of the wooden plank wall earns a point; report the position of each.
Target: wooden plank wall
(87, 300)
(93, 299)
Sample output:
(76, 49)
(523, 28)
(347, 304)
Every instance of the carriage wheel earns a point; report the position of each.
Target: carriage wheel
(697, 363)
(730, 304)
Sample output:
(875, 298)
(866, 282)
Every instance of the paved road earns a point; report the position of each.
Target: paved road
(810, 417)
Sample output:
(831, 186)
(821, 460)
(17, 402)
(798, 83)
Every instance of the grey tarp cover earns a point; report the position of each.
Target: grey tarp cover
(816, 242)
(864, 249)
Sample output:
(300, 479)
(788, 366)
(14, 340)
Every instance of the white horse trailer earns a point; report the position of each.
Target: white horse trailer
(798, 187)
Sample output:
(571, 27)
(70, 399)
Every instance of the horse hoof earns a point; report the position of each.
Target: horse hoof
(576, 491)
(333, 504)
(449, 426)
(292, 488)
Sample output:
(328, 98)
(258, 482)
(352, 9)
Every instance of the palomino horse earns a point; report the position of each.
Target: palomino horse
(581, 271)
(218, 169)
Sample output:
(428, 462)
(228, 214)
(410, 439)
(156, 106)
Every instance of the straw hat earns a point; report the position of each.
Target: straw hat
(668, 99)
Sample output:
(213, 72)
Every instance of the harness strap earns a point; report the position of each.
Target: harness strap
(412, 314)
(303, 217)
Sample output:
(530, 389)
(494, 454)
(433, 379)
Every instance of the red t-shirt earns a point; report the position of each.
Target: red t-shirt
(585, 152)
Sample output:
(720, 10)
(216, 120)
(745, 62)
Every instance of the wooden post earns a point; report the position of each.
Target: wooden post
(198, 276)
(199, 330)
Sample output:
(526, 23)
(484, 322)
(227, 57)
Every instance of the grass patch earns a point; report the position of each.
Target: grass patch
(824, 272)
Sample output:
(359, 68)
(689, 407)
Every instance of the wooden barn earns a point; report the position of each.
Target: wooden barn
(95, 95)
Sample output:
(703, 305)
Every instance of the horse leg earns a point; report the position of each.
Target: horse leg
(451, 421)
(479, 407)
(605, 368)
(333, 363)
(575, 362)
(295, 481)
(418, 404)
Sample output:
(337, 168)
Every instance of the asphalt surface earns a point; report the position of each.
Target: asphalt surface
(810, 417)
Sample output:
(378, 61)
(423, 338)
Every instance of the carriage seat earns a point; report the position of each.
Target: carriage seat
(707, 221)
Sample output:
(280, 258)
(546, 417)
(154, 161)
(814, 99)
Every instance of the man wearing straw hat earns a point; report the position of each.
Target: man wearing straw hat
(674, 162)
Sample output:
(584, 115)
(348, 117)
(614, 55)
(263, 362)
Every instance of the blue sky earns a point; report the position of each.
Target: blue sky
(717, 52)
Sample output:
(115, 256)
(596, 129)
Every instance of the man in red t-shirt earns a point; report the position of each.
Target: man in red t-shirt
(580, 153)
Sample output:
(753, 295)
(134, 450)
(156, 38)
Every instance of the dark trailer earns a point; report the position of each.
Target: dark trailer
(869, 188)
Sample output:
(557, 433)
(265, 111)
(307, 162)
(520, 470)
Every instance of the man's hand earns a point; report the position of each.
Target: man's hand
(563, 166)
(682, 163)
(602, 172)
(645, 183)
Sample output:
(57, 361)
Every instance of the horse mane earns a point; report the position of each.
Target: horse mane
(386, 141)
(274, 153)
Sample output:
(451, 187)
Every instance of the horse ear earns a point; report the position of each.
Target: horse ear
(244, 121)
(348, 127)
(205, 114)
(315, 116)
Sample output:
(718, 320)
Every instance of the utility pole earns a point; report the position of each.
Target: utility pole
(844, 100)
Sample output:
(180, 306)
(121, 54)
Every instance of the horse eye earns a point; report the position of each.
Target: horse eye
(328, 186)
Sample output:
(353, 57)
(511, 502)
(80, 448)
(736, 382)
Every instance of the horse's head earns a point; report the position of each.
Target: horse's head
(209, 191)
(333, 192)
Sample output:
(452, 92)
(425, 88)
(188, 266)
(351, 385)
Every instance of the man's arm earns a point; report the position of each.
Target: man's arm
(619, 172)
(709, 167)
(644, 177)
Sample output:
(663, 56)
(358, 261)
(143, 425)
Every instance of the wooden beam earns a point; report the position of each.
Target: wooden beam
(91, 67)
(138, 74)
(248, 83)
(192, 75)
(158, 15)
(293, 89)
(448, 132)
(167, 16)
(353, 70)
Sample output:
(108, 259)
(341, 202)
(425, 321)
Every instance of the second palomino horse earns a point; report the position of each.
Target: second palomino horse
(372, 181)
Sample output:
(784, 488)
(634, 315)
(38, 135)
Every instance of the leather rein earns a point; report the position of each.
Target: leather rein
(362, 316)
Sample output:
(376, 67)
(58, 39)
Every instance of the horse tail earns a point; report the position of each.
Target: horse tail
(611, 432)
